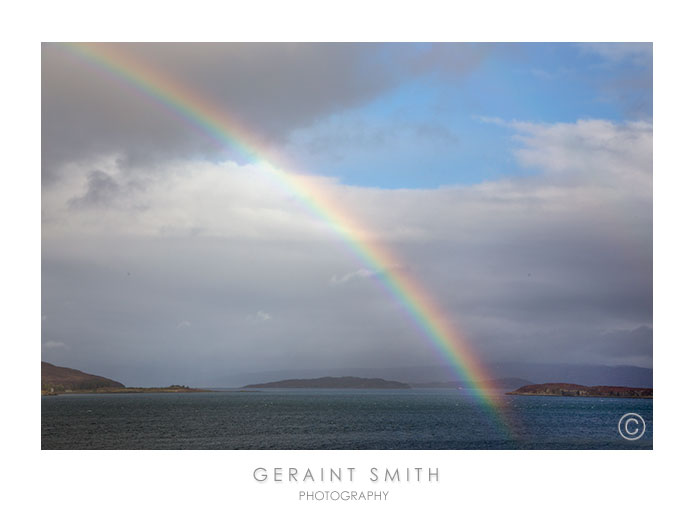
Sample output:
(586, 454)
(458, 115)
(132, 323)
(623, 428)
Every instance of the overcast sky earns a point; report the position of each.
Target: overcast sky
(513, 181)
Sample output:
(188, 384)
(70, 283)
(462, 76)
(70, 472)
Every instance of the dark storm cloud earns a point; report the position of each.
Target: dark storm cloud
(269, 89)
(118, 304)
(621, 344)
(101, 190)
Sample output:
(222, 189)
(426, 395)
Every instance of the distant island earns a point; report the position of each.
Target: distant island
(57, 379)
(333, 383)
(559, 389)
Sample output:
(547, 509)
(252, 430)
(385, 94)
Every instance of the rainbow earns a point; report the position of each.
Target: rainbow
(423, 310)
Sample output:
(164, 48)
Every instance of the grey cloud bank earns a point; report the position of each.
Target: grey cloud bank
(554, 267)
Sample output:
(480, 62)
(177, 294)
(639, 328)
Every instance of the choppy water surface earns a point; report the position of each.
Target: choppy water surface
(335, 419)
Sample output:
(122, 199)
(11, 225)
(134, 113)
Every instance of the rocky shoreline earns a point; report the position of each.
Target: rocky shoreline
(561, 389)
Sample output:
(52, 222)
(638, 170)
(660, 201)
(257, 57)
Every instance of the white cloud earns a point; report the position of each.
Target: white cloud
(593, 164)
(181, 199)
(590, 153)
(259, 317)
(357, 274)
(183, 324)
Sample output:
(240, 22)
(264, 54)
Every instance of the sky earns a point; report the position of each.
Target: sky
(513, 181)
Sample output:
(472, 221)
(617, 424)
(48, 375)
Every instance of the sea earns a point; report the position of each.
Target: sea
(333, 419)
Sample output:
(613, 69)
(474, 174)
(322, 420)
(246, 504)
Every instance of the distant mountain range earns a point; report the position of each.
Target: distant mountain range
(500, 383)
(333, 383)
(583, 374)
